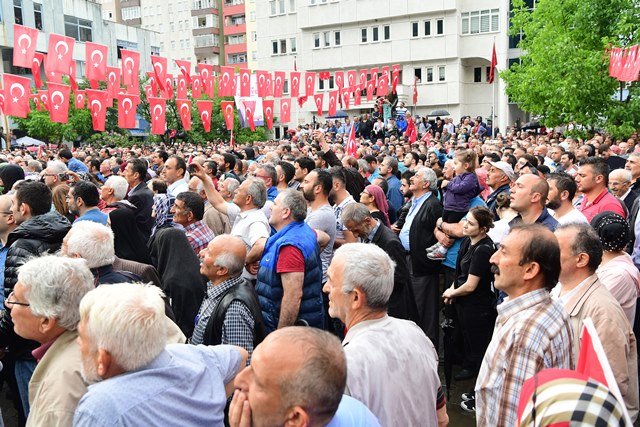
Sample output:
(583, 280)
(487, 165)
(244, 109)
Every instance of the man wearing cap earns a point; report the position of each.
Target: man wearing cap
(499, 178)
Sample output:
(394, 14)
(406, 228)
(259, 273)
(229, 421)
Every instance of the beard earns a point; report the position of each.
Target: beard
(554, 204)
(308, 195)
(89, 372)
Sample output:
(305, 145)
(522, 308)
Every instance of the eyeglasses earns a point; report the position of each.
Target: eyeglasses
(9, 302)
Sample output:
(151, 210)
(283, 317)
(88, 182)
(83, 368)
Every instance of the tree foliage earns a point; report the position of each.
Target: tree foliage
(563, 75)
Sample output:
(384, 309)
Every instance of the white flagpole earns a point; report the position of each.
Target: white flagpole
(493, 108)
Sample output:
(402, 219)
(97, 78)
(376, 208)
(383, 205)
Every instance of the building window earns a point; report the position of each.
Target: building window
(414, 29)
(252, 16)
(427, 28)
(387, 32)
(281, 6)
(363, 31)
(316, 40)
(440, 27)
(254, 36)
(482, 21)
(429, 74)
(477, 75)
(17, 11)
(327, 38)
(283, 46)
(254, 55)
(285, 87)
(336, 38)
(488, 73)
(441, 73)
(293, 46)
(374, 34)
(37, 15)
(130, 13)
(272, 6)
(292, 6)
(312, 2)
(79, 29)
(274, 45)
(417, 73)
(237, 58)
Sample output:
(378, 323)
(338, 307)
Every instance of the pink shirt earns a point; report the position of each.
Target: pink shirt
(604, 202)
(621, 277)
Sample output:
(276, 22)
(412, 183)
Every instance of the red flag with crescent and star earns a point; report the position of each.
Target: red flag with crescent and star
(285, 110)
(159, 65)
(16, 94)
(25, 40)
(130, 67)
(98, 106)
(267, 106)
(157, 110)
(184, 109)
(127, 105)
(352, 148)
(38, 59)
(59, 102)
(249, 111)
(205, 108)
(227, 112)
(79, 99)
(60, 54)
(96, 61)
(185, 69)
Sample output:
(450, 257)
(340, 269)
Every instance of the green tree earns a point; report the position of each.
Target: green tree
(38, 125)
(563, 75)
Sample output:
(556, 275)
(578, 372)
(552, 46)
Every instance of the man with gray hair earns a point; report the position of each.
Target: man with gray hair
(55, 174)
(230, 314)
(113, 193)
(416, 235)
(289, 282)
(379, 348)
(620, 185)
(215, 220)
(228, 189)
(126, 359)
(44, 308)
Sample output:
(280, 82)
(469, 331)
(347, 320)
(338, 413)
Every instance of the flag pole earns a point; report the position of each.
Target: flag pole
(493, 107)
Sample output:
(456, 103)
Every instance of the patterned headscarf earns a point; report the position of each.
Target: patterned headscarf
(613, 231)
(162, 204)
(381, 201)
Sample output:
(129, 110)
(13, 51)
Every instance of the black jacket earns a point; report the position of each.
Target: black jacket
(34, 237)
(142, 198)
(421, 237)
(402, 303)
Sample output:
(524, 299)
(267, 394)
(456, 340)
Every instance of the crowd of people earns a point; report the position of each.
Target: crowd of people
(291, 282)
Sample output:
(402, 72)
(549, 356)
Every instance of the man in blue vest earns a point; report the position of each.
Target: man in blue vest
(289, 282)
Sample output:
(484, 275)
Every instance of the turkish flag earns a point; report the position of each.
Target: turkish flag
(196, 87)
(60, 53)
(160, 69)
(38, 59)
(269, 83)
(167, 93)
(127, 105)
(52, 76)
(333, 103)
(370, 88)
(317, 98)
(43, 95)
(249, 110)
(267, 106)
(153, 83)
(261, 77)
(227, 112)
(351, 77)
(72, 76)
(148, 91)
(98, 106)
(494, 63)
(2, 102)
(36, 100)
(25, 40)
(395, 77)
(635, 67)
(113, 84)
(16, 92)
(352, 147)
(383, 86)
(245, 82)
(96, 61)
(357, 96)
(630, 60)
(234, 85)
(295, 83)
(346, 97)
(285, 110)
(362, 77)
(130, 67)
(278, 83)
(205, 108)
(185, 69)
(79, 98)
(181, 89)
(384, 71)
(309, 83)
(374, 76)
(415, 91)
(338, 76)
(225, 86)
(184, 109)
(324, 75)
(615, 61)
(206, 76)
(59, 102)
(212, 87)
(157, 109)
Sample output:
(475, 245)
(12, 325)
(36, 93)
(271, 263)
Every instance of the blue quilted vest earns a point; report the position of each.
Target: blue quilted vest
(269, 285)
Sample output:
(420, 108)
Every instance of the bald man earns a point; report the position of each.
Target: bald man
(528, 198)
(230, 313)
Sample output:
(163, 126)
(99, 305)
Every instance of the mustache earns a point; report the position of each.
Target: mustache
(495, 269)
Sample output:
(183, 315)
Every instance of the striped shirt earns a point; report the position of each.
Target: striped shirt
(199, 235)
(532, 332)
(238, 325)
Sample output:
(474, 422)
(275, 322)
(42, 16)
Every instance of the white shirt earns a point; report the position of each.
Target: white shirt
(250, 226)
(392, 367)
(574, 216)
(562, 299)
(180, 186)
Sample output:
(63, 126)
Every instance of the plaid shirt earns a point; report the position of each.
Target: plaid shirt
(199, 235)
(532, 333)
(238, 321)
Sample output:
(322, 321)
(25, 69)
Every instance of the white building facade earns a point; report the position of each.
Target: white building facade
(446, 45)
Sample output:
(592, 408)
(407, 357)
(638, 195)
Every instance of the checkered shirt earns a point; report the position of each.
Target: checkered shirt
(199, 235)
(238, 325)
(532, 332)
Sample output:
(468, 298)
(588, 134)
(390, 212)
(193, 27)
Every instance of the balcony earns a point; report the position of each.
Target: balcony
(233, 9)
(235, 29)
(235, 48)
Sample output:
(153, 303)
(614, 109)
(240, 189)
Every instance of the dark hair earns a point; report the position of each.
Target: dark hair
(491, 157)
(159, 186)
(599, 166)
(65, 153)
(603, 148)
(564, 182)
(407, 175)
(229, 158)
(211, 165)
(36, 195)
(288, 170)
(541, 249)
(337, 172)
(306, 163)
(585, 240)
(503, 201)
(590, 149)
(511, 159)
(383, 184)
(138, 166)
(271, 171)
(180, 164)
(531, 160)
(95, 163)
(483, 216)
(570, 156)
(163, 155)
(370, 158)
(249, 153)
(325, 180)
(87, 191)
(193, 203)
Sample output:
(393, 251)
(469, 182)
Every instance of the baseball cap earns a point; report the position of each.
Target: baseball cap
(506, 168)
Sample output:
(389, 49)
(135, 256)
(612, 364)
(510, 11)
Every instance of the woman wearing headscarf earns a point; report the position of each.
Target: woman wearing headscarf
(179, 269)
(9, 174)
(129, 242)
(617, 271)
(374, 199)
